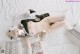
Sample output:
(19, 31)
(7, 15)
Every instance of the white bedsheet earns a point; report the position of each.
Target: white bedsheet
(54, 43)
(59, 42)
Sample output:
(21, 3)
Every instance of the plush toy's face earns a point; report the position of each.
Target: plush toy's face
(15, 32)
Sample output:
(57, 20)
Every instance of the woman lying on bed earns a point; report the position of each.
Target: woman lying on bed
(48, 23)
(45, 25)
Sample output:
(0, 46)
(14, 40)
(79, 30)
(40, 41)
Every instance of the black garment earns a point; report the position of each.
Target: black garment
(31, 11)
(42, 16)
(25, 23)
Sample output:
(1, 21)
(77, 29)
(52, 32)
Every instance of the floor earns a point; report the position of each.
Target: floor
(58, 42)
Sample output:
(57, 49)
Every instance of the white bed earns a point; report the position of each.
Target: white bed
(58, 42)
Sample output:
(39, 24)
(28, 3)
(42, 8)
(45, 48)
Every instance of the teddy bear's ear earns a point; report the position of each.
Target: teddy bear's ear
(32, 11)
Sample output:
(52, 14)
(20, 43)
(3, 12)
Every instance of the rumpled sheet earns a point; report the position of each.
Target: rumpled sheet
(54, 43)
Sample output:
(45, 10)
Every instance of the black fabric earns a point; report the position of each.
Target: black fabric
(31, 11)
(42, 16)
(25, 23)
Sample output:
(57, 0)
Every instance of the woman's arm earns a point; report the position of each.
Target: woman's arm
(27, 45)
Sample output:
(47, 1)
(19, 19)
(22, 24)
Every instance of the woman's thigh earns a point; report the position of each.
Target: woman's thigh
(53, 19)
(57, 25)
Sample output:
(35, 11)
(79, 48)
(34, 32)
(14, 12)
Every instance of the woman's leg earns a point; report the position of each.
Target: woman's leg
(53, 19)
(57, 25)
